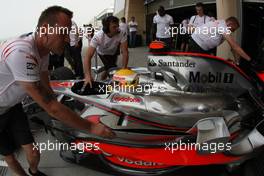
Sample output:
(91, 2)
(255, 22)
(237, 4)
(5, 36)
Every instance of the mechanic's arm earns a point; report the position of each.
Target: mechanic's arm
(236, 57)
(44, 77)
(57, 110)
(236, 47)
(87, 65)
(131, 25)
(124, 51)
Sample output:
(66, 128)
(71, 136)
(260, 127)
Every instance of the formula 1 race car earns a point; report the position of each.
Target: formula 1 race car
(184, 109)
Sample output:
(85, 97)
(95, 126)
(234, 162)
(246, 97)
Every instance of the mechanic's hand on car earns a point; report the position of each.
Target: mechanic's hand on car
(101, 130)
(233, 61)
(88, 80)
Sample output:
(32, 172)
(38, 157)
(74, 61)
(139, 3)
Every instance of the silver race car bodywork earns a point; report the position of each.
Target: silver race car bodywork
(180, 97)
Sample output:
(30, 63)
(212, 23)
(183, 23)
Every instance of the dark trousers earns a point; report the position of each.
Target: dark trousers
(56, 61)
(195, 48)
(132, 39)
(74, 57)
(14, 130)
(109, 61)
(167, 41)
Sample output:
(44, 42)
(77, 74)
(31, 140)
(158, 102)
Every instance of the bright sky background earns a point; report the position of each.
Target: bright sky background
(21, 16)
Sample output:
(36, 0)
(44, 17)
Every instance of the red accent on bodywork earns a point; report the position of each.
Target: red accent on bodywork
(129, 162)
(117, 113)
(261, 76)
(93, 118)
(88, 149)
(166, 157)
(57, 84)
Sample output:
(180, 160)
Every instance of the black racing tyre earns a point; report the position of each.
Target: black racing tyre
(254, 167)
(62, 73)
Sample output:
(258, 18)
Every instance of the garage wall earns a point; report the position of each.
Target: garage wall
(136, 8)
(119, 9)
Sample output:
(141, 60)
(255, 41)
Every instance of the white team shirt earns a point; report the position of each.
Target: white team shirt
(163, 23)
(19, 61)
(106, 45)
(132, 29)
(208, 40)
(197, 20)
(123, 27)
(184, 24)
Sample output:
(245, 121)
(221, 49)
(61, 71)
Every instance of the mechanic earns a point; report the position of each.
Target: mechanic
(24, 70)
(199, 19)
(161, 22)
(74, 49)
(133, 28)
(212, 34)
(123, 25)
(106, 42)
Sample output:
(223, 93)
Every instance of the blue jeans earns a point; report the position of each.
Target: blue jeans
(132, 39)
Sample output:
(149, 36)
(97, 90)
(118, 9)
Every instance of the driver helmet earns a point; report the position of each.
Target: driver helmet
(125, 77)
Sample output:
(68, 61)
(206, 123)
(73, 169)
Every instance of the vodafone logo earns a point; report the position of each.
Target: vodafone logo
(126, 99)
(138, 162)
(118, 78)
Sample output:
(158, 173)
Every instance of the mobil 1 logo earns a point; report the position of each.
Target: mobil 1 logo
(217, 77)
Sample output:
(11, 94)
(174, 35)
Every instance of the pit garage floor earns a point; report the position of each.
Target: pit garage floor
(51, 163)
